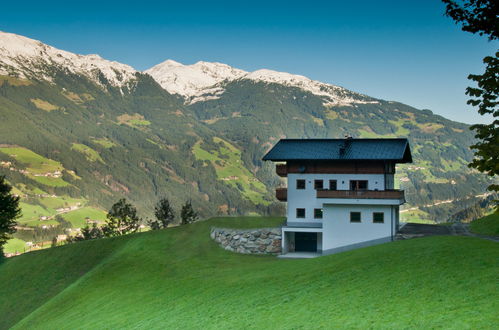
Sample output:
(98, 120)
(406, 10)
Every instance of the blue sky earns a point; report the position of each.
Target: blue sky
(405, 51)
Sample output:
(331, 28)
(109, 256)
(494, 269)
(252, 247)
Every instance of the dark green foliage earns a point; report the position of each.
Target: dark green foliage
(9, 212)
(475, 16)
(187, 214)
(122, 219)
(92, 232)
(485, 97)
(481, 16)
(163, 212)
(54, 242)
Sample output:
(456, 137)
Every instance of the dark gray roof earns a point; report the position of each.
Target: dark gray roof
(397, 150)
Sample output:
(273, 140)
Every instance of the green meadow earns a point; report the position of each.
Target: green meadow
(179, 278)
(230, 168)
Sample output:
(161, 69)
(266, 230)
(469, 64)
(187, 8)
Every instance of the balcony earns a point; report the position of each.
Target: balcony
(281, 194)
(281, 170)
(358, 194)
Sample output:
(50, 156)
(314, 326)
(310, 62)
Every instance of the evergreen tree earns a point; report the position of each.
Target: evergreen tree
(92, 232)
(481, 16)
(9, 212)
(164, 214)
(122, 219)
(54, 242)
(187, 214)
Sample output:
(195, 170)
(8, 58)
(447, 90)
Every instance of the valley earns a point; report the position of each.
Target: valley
(78, 132)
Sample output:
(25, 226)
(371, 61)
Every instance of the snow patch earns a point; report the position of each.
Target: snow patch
(29, 58)
(205, 81)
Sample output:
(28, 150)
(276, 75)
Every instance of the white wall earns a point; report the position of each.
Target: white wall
(338, 231)
(306, 198)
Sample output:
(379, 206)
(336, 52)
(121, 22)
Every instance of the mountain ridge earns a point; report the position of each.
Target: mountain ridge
(90, 138)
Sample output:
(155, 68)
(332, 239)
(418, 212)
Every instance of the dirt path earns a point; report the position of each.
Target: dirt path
(459, 228)
(413, 230)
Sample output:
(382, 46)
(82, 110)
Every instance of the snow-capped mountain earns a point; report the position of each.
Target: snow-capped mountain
(28, 58)
(204, 80)
(193, 80)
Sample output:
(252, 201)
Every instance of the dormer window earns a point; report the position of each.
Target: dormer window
(358, 184)
(300, 184)
(318, 184)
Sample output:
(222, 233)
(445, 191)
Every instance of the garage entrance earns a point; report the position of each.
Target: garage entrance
(305, 242)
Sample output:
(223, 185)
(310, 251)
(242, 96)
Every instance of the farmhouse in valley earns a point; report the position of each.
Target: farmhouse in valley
(340, 192)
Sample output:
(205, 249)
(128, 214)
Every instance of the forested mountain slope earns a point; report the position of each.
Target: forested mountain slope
(78, 132)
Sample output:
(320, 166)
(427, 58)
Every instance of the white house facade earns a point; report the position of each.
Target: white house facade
(340, 192)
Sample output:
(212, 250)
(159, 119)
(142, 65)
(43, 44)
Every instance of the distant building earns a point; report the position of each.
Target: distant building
(340, 192)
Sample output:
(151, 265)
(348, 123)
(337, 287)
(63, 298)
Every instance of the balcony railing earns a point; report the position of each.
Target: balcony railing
(281, 194)
(372, 194)
(281, 170)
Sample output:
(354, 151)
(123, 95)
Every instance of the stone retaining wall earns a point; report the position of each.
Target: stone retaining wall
(249, 241)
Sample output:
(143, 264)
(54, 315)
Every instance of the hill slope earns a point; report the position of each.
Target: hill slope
(180, 278)
(78, 132)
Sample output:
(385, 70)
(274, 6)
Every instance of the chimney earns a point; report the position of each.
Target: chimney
(345, 145)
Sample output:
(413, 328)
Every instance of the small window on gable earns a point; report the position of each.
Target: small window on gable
(355, 217)
(300, 213)
(358, 184)
(300, 184)
(318, 184)
(378, 217)
(333, 185)
(318, 213)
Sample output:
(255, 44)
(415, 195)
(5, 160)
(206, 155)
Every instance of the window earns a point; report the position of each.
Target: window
(318, 184)
(354, 216)
(358, 184)
(318, 213)
(300, 213)
(300, 184)
(378, 217)
(333, 185)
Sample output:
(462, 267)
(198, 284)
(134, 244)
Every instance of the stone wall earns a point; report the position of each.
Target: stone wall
(249, 241)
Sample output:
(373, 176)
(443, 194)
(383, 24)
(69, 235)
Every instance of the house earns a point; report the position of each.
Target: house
(340, 192)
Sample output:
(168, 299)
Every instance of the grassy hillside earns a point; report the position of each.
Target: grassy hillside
(488, 225)
(179, 278)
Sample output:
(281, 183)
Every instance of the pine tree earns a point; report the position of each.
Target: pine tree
(122, 219)
(164, 214)
(9, 212)
(187, 214)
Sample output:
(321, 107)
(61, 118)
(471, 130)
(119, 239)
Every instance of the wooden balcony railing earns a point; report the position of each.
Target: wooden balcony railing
(281, 170)
(281, 194)
(372, 194)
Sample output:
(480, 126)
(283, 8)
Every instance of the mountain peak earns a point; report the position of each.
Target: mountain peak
(192, 80)
(28, 58)
(203, 81)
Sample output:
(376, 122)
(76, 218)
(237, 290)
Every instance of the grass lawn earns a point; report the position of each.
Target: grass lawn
(36, 164)
(14, 245)
(179, 278)
(32, 213)
(104, 142)
(90, 154)
(488, 225)
(77, 217)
